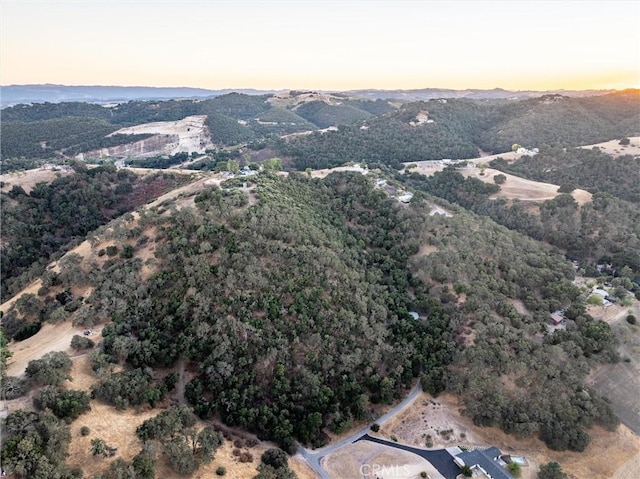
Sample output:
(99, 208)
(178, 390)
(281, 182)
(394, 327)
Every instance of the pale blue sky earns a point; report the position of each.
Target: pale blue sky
(323, 45)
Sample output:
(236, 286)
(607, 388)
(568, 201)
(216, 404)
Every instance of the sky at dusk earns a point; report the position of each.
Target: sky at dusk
(326, 45)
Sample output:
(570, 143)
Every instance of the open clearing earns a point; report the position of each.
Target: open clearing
(52, 337)
(191, 133)
(440, 418)
(364, 459)
(522, 189)
(614, 148)
(621, 381)
(514, 188)
(118, 430)
(30, 178)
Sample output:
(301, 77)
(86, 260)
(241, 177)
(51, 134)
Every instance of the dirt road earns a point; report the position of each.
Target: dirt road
(52, 337)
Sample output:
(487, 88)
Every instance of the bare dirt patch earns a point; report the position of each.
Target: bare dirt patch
(30, 178)
(368, 460)
(327, 171)
(52, 337)
(426, 250)
(191, 133)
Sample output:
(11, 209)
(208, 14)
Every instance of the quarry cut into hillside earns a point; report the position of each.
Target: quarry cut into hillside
(169, 137)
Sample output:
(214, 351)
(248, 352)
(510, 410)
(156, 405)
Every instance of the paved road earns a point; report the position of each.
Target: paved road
(440, 458)
(313, 457)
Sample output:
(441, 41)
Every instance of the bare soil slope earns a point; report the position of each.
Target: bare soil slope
(170, 137)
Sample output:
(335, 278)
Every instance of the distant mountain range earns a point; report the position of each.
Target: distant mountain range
(424, 94)
(16, 94)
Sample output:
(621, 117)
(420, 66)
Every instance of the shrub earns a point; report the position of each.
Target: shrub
(551, 470)
(500, 179)
(245, 457)
(566, 188)
(631, 319)
(375, 427)
(85, 431)
(624, 142)
(81, 342)
(221, 471)
(14, 387)
(514, 468)
(127, 252)
(99, 447)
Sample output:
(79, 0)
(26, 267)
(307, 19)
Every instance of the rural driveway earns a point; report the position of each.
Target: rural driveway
(313, 457)
(440, 458)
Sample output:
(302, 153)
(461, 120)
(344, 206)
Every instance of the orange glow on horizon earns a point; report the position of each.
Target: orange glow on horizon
(278, 45)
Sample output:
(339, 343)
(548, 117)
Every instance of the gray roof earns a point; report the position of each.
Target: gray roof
(487, 460)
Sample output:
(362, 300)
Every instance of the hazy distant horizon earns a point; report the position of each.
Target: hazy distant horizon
(288, 89)
(328, 46)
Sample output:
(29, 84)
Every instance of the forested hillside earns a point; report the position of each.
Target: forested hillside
(39, 224)
(279, 303)
(605, 230)
(292, 312)
(372, 130)
(52, 129)
(449, 128)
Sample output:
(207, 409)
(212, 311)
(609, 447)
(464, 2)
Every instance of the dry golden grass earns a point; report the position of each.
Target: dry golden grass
(117, 429)
(523, 189)
(29, 178)
(614, 148)
(363, 459)
(607, 452)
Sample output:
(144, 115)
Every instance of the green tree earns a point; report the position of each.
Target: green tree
(595, 300)
(81, 342)
(35, 445)
(233, 166)
(272, 164)
(52, 369)
(500, 179)
(180, 456)
(275, 458)
(208, 442)
(551, 470)
(5, 353)
(144, 463)
(66, 404)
